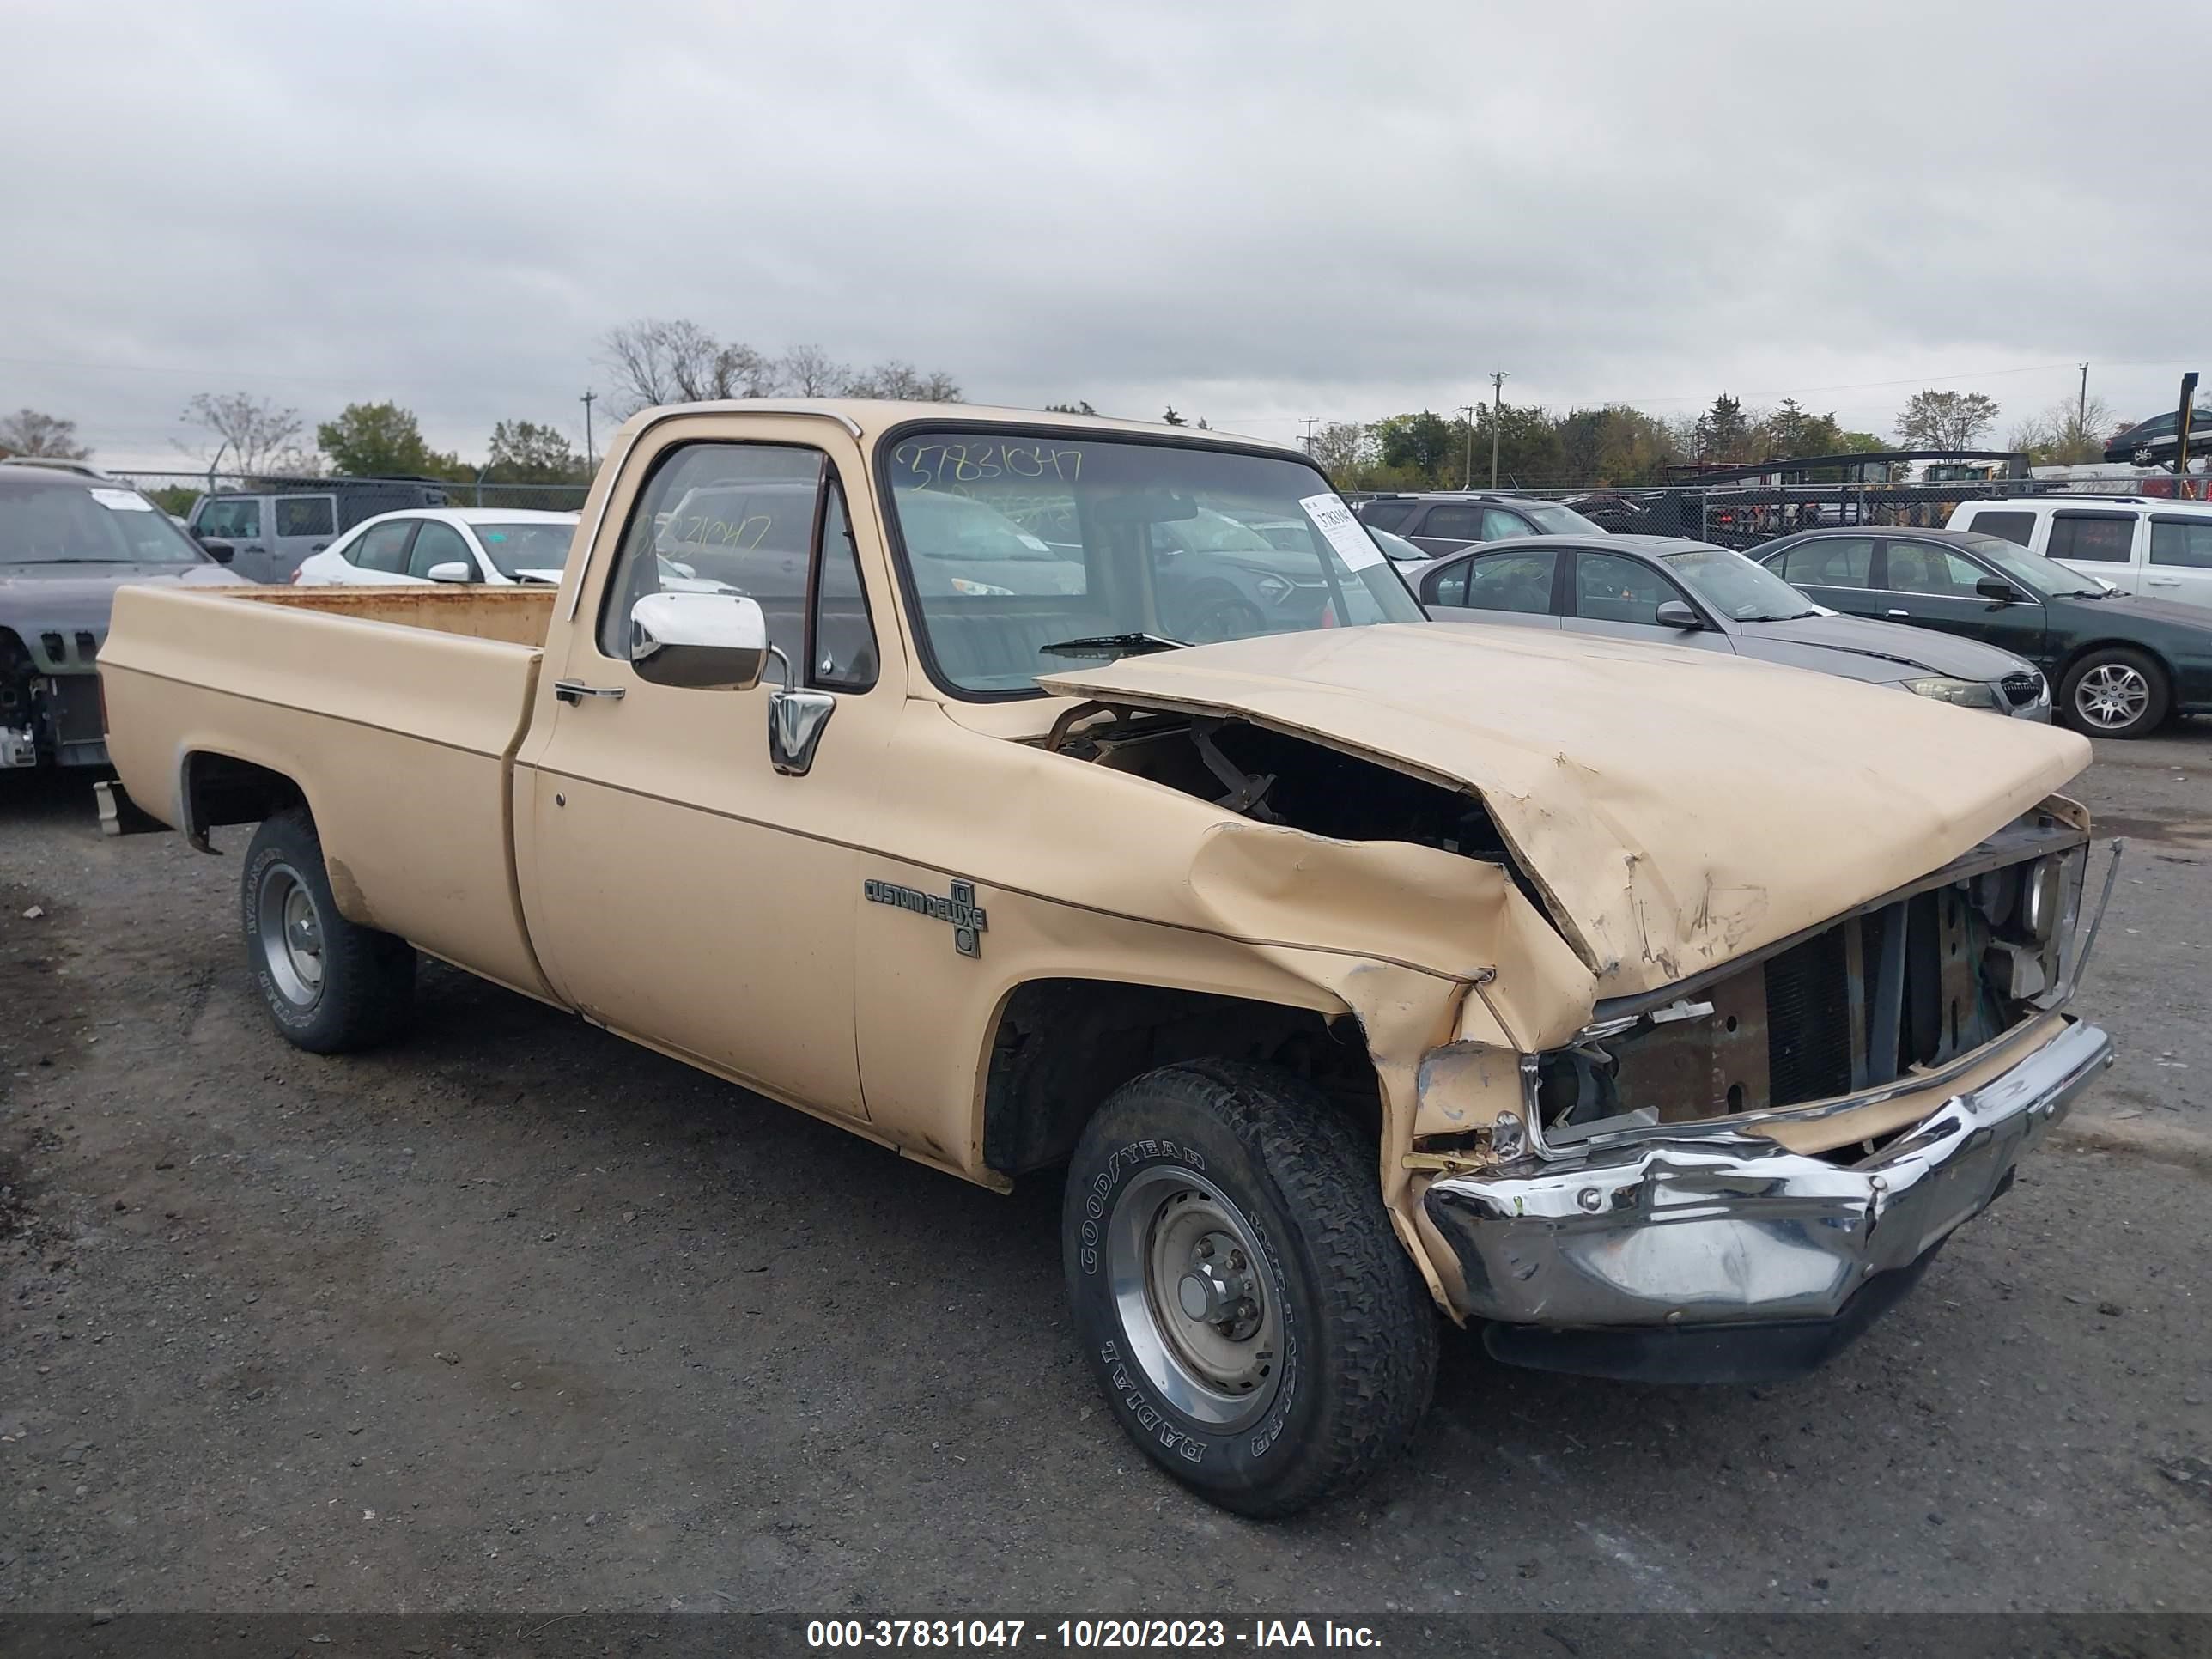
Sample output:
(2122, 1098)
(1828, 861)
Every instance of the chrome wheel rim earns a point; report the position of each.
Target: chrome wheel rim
(291, 935)
(2111, 694)
(1202, 1315)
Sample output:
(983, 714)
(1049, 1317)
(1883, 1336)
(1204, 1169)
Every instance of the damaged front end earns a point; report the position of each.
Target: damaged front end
(1727, 1179)
(49, 699)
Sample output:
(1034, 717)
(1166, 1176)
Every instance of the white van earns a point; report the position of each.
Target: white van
(2157, 549)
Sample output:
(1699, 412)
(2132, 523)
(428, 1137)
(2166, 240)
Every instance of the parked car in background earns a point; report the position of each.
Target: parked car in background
(497, 546)
(2121, 664)
(2150, 443)
(1444, 522)
(2160, 550)
(68, 540)
(270, 532)
(1665, 591)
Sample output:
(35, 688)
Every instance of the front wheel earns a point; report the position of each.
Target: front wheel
(331, 985)
(1237, 1288)
(2115, 692)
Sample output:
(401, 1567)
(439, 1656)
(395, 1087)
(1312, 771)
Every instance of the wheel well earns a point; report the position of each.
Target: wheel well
(1063, 1045)
(2068, 664)
(221, 789)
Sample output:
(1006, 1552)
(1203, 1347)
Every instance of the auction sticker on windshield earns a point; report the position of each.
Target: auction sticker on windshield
(1351, 542)
(123, 500)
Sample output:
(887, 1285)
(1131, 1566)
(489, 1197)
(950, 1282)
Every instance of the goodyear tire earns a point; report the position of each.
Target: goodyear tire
(331, 985)
(1237, 1289)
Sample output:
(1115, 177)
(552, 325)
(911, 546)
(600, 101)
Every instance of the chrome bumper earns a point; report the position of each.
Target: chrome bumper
(1737, 1230)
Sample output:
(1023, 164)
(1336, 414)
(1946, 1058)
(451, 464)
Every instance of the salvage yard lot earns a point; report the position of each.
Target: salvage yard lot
(517, 1316)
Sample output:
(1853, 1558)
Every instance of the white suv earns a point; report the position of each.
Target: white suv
(2159, 549)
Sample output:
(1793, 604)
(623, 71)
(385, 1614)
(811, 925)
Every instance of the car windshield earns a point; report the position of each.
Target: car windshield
(61, 521)
(1740, 590)
(516, 548)
(1144, 545)
(1561, 520)
(2046, 577)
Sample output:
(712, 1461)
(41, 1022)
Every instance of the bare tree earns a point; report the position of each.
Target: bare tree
(251, 432)
(34, 432)
(2070, 433)
(810, 371)
(902, 382)
(675, 361)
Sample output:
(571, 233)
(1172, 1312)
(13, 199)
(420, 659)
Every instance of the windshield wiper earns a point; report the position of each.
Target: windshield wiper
(1109, 646)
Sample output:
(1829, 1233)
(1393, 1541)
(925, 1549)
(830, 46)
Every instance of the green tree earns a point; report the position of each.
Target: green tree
(1615, 445)
(523, 452)
(1419, 446)
(1945, 420)
(1723, 432)
(381, 441)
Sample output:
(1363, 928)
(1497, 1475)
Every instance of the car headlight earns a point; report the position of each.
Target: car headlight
(2042, 892)
(981, 590)
(1274, 588)
(1967, 694)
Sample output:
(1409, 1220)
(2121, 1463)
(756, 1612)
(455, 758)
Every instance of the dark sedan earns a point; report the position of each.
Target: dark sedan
(2121, 664)
(1663, 590)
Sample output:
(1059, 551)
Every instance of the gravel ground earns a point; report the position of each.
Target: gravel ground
(519, 1316)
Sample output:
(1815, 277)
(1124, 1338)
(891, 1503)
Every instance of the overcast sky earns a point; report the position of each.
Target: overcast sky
(1255, 212)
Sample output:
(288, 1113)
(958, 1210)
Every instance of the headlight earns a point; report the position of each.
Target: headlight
(1967, 694)
(2040, 898)
(962, 585)
(1274, 588)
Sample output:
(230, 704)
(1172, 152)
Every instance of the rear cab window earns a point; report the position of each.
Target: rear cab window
(2016, 527)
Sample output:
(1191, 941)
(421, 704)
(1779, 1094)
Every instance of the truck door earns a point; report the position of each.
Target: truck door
(679, 888)
(302, 525)
(242, 521)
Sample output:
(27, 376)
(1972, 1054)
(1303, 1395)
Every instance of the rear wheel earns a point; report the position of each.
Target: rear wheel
(2115, 691)
(330, 985)
(1237, 1288)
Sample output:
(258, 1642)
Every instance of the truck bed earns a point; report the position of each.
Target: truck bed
(396, 711)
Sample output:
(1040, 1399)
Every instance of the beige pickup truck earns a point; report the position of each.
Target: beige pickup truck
(1021, 792)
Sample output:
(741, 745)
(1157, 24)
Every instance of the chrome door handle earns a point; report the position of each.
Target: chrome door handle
(2162, 581)
(1899, 613)
(576, 692)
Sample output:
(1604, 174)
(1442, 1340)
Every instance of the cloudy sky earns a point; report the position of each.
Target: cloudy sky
(1257, 213)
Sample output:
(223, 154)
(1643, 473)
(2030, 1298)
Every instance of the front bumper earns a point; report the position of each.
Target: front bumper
(1701, 1233)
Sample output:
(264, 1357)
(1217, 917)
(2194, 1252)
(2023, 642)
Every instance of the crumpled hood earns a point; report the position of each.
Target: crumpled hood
(1677, 807)
(1892, 651)
(65, 598)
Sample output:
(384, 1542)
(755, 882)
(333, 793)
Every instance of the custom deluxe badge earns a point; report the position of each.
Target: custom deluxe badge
(967, 917)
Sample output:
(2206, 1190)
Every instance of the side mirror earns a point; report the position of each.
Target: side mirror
(453, 570)
(1675, 613)
(1997, 588)
(701, 641)
(221, 552)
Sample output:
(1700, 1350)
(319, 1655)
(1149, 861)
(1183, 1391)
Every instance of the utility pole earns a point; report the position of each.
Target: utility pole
(1497, 416)
(590, 396)
(1467, 475)
(1310, 419)
(2081, 417)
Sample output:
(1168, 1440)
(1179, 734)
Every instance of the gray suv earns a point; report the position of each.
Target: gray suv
(1444, 522)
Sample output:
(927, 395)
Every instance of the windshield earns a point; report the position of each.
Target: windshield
(55, 522)
(516, 548)
(2046, 577)
(1561, 520)
(1143, 545)
(1740, 590)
